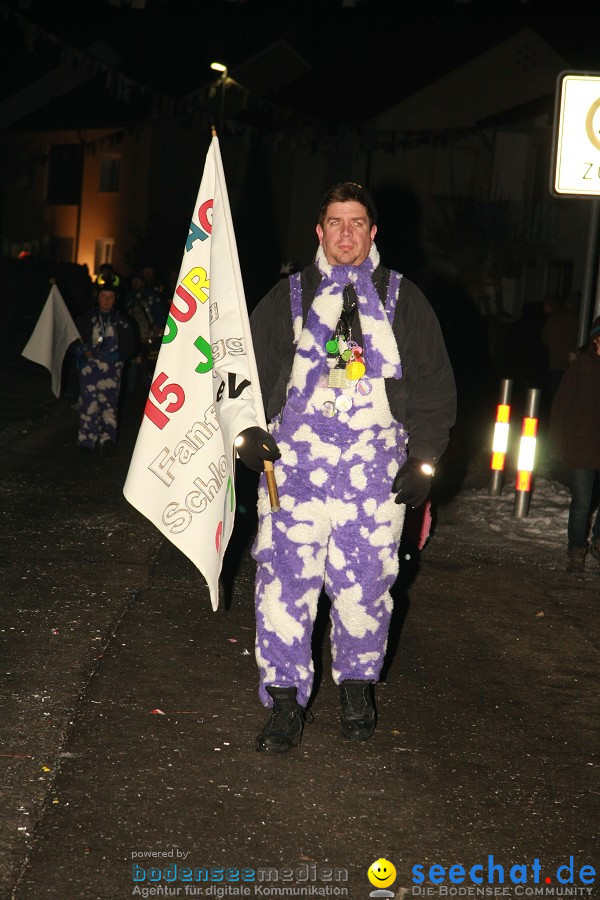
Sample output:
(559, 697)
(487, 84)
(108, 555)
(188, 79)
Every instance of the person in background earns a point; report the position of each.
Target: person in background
(75, 285)
(575, 436)
(559, 336)
(107, 342)
(155, 287)
(107, 277)
(360, 396)
(149, 313)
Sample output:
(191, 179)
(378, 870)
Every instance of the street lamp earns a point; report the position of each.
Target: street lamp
(222, 68)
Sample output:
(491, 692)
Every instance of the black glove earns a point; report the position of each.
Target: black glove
(255, 445)
(413, 481)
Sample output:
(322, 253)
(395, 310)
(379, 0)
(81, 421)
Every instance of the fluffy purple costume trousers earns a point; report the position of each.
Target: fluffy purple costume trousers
(339, 526)
(99, 390)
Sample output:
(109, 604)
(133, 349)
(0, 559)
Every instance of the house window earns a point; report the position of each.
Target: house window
(110, 170)
(62, 249)
(541, 172)
(454, 171)
(65, 174)
(559, 279)
(103, 252)
(509, 174)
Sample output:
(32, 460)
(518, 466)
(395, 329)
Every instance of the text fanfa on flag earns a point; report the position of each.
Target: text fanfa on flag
(204, 393)
(51, 337)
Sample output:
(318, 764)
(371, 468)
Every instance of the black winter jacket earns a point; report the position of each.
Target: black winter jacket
(424, 399)
(124, 330)
(575, 413)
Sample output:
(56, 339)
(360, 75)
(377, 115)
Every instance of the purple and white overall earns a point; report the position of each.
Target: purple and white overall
(99, 387)
(339, 526)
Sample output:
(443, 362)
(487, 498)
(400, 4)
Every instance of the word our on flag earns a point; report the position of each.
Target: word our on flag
(54, 331)
(204, 393)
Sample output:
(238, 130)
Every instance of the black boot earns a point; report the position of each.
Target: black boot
(576, 561)
(358, 709)
(284, 729)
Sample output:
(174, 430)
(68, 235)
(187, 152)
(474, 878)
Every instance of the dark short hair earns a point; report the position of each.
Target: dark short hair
(344, 192)
(107, 289)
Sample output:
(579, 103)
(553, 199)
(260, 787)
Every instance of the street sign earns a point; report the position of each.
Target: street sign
(577, 135)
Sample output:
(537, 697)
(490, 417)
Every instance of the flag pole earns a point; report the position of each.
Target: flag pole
(271, 486)
(268, 466)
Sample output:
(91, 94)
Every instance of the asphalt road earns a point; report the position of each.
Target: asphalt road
(129, 708)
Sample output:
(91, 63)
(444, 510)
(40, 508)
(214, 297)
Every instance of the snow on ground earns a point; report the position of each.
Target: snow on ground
(476, 522)
(546, 520)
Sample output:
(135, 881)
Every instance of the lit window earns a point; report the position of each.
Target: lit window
(110, 170)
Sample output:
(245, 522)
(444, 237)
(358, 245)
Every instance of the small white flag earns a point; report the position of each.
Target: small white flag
(204, 393)
(51, 337)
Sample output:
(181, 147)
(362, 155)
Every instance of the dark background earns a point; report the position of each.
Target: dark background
(362, 56)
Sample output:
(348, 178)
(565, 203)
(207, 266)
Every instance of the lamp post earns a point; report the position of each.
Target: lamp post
(222, 68)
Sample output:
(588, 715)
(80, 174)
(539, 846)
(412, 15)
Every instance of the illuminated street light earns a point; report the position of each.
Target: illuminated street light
(222, 68)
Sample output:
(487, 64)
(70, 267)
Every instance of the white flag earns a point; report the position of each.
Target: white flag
(54, 331)
(204, 393)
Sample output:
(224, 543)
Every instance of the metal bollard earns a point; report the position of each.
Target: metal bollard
(500, 440)
(526, 460)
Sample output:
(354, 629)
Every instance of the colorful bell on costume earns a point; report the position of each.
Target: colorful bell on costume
(355, 370)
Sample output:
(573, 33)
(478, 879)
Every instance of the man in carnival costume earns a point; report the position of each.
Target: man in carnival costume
(359, 396)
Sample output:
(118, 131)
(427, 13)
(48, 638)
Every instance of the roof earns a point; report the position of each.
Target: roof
(521, 68)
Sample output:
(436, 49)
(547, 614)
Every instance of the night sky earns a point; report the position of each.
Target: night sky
(356, 60)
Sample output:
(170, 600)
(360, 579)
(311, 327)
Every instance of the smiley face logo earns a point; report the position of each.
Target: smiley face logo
(381, 873)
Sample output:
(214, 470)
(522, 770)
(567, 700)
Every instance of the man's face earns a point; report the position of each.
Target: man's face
(596, 343)
(345, 235)
(106, 300)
